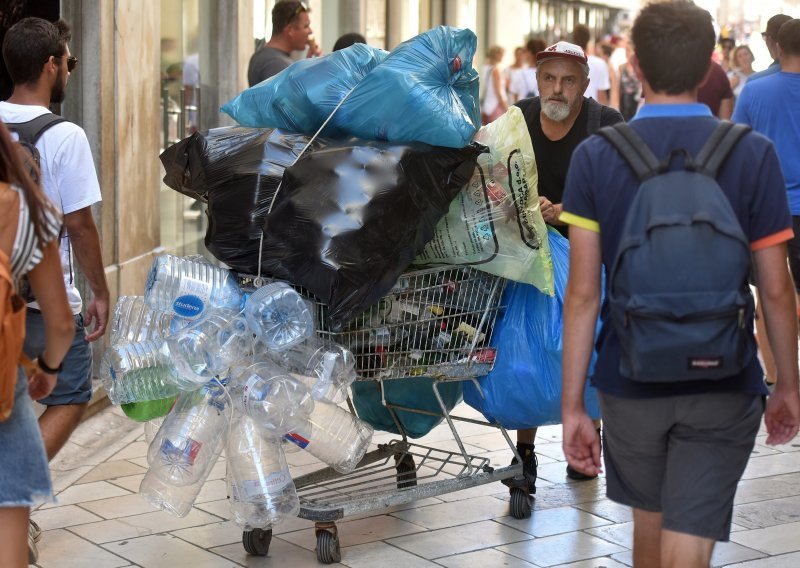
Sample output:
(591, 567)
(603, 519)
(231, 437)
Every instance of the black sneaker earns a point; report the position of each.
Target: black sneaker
(576, 475)
(529, 465)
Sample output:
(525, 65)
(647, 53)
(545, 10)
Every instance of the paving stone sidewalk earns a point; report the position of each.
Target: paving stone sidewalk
(100, 521)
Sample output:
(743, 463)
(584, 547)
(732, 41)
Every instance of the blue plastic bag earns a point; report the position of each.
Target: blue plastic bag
(301, 97)
(425, 91)
(524, 388)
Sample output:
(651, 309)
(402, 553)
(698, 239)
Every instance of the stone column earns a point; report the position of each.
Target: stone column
(403, 21)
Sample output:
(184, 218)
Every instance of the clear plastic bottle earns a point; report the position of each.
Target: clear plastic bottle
(135, 321)
(209, 346)
(276, 402)
(326, 368)
(260, 486)
(279, 316)
(191, 438)
(162, 494)
(334, 436)
(151, 428)
(138, 372)
(189, 288)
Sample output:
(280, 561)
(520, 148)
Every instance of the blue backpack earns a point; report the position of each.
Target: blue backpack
(678, 294)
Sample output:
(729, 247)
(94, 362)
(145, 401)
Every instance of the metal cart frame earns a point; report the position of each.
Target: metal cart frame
(402, 471)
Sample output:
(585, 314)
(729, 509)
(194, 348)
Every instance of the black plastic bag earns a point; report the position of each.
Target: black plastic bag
(236, 170)
(350, 218)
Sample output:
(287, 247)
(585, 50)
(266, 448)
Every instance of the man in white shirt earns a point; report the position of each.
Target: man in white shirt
(599, 78)
(38, 59)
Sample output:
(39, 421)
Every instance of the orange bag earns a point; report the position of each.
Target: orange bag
(12, 335)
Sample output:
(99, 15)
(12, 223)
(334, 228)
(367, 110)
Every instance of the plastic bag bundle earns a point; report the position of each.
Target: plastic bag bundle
(302, 96)
(524, 388)
(426, 90)
(235, 170)
(494, 224)
(350, 218)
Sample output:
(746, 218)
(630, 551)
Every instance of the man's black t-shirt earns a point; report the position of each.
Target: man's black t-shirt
(552, 157)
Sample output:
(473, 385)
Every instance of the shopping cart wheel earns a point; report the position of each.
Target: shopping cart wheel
(256, 541)
(328, 550)
(406, 471)
(520, 503)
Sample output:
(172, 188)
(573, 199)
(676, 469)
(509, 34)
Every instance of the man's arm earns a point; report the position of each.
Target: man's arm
(726, 109)
(85, 242)
(581, 306)
(778, 302)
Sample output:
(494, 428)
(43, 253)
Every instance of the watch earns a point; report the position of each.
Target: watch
(49, 370)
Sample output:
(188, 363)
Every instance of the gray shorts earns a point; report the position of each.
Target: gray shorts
(681, 456)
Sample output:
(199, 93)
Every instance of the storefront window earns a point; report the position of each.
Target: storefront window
(186, 72)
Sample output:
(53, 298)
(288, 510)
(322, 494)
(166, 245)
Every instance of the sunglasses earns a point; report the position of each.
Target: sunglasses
(301, 7)
(72, 62)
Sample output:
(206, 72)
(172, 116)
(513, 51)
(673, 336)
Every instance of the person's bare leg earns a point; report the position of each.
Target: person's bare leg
(646, 539)
(57, 424)
(680, 550)
(526, 436)
(14, 528)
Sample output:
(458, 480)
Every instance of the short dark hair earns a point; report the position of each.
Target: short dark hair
(581, 36)
(774, 25)
(789, 37)
(535, 45)
(285, 12)
(29, 43)
(673, 42)
(347, 40)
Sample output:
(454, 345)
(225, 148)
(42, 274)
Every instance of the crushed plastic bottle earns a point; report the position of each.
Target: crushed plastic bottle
(138, 372)
(134, 321)
(279, 316)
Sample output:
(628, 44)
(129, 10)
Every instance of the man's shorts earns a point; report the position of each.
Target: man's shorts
(74, 384)
(681, 456)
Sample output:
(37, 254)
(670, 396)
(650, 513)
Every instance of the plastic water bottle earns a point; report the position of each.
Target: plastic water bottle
(334, 436)
(279, 316)
(148, 410)
(276, 402)
(260, 486)
(151, 428)
(326, 368)
(191, 438)
(189, 288)
(175, 499)
(138, 372)
(135, 321)
(209, 346)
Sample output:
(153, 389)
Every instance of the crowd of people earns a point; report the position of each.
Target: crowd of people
(674, 448)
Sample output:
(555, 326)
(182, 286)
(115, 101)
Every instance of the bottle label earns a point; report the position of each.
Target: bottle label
(248, 400)
(297, 439)
(188, 306)
(255, 490)
(185, 454)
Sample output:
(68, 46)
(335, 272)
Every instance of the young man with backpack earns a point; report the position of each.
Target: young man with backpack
(38, 59)
(674, 205)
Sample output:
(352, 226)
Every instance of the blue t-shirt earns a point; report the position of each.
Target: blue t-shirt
(771, 106)
(600, 188)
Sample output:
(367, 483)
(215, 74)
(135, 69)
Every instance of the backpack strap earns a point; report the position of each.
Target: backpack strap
(717, 148)
(593, 122)
(633, 149)
(33, 129)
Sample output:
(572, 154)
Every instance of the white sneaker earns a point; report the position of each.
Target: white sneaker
(34, 531)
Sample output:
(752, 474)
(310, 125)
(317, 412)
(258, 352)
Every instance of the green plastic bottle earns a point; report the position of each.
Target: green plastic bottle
(147, 410)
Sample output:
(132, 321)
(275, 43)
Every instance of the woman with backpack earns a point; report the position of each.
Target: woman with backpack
(29, 229)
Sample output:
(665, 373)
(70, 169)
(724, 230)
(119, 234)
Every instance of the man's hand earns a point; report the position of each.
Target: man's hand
(782, 416)
(550, 211)
(97, 313)
(40, 384)
(581, 443)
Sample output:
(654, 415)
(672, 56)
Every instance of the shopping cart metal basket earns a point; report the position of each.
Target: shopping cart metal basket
(435, 323)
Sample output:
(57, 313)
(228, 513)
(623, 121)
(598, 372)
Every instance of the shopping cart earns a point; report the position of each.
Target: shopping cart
(434, 323)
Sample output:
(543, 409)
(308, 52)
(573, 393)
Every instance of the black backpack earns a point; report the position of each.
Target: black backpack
(678, 294)
(29, 133)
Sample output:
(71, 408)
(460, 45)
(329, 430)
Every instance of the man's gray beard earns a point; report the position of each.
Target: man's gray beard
(556, 112)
